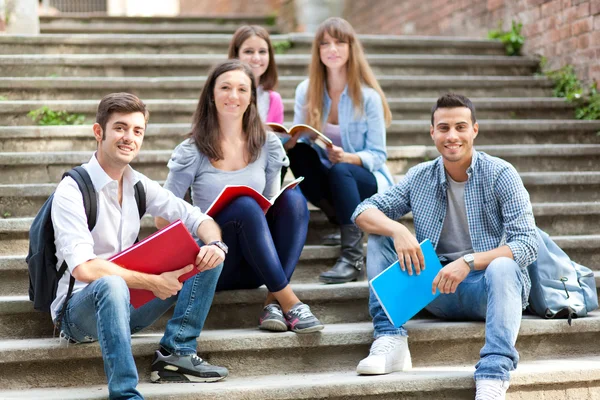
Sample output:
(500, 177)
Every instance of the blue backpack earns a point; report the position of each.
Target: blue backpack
(560, 288)
(41, 260)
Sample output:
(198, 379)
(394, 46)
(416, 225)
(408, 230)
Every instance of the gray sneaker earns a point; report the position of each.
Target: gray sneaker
(301, 320)
(190, 368)
(272, 319)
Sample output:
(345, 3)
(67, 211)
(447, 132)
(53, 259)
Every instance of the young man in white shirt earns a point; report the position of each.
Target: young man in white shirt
(99, 307)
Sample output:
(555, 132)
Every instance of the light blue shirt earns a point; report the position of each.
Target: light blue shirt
(362, 134)
(498, 208)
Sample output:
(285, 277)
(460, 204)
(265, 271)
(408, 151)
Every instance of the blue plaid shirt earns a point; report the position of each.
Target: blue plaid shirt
(498, 208)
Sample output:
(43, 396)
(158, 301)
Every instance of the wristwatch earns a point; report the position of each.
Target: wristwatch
(470, 260)
(220, 245)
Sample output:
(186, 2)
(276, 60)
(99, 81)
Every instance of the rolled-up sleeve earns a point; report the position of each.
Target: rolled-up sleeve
(374, 155)
(394, 202)
(517, 214)
(73, 240)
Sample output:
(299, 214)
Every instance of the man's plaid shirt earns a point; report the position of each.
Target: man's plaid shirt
(498, 208)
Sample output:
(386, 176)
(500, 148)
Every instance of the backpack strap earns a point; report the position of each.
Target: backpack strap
(140, 198)
(90, 203)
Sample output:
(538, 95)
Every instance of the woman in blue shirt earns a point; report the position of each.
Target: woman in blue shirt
(343, 100)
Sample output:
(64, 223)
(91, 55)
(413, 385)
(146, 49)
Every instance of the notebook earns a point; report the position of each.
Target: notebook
(401, 295)
(168, 249)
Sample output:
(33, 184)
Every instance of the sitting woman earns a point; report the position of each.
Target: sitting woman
(343, 100)
(251, 44)
(228, 145)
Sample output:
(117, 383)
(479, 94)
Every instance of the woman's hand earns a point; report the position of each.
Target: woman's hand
(336, 154)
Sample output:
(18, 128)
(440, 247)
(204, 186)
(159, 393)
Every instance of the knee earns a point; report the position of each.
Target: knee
(294, 201)
(245, 206)
(338, 171)
(502, 270)
(112, 288)
(380, 254)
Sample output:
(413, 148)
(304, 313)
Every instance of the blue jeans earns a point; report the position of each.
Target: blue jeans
(263, 249)
(342, 185)
(101, 311)
(492, 295)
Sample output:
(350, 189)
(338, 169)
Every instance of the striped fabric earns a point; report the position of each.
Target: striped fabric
(498, 208)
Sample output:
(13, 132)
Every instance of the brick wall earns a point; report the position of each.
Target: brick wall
(564, 31)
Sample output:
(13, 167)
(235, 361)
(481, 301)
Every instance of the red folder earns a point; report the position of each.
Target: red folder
(168, 249)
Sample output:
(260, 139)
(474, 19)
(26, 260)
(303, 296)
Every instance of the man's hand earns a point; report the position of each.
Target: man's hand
(335, 154)
(449, 277)
(167, 284)
(409, 251)
(209, 257)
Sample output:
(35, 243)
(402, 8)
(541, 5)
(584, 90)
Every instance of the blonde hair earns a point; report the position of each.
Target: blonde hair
(359, 73)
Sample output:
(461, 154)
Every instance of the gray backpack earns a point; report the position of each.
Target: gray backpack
(560, 288)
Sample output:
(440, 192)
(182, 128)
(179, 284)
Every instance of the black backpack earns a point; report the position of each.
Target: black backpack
(41, 260)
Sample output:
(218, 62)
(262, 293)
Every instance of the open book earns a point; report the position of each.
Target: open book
(401, 295)
(295, 132)
(232, 192)
(168, 249)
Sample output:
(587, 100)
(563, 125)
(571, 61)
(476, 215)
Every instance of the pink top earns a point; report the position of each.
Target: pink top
(275, 113)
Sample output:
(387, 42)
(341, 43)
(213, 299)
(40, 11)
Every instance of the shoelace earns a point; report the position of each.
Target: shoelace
(302, 311)
(197, 360)
(383, 345)
(490, 391)
(272, 308)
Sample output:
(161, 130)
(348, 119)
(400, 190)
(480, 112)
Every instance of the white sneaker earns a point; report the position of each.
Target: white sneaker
(491, 389)
(388, 354)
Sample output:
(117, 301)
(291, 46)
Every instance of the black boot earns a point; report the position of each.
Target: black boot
(351, 261)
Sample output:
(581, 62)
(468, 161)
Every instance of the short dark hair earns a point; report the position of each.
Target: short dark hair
(269, 79)
(206, 132)
(125, 103)
(453, 100)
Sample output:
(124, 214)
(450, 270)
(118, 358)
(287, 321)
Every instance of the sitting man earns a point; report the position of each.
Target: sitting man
(477, 214)
(99, 307)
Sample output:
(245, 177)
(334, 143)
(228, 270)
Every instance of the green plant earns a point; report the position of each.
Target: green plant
(3, 98)
(568, 85)
(513, 40)
(282, 46)
(590, 109)
(6, 214)
(271, 19)
(45, 116)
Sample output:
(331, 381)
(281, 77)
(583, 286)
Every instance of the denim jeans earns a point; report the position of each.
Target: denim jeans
(263, 249)
(343, 185)
(492, 295)
(101, 311)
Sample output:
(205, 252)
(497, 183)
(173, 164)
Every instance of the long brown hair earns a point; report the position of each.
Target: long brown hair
(206, 132)
(269, 79)
(359, 72)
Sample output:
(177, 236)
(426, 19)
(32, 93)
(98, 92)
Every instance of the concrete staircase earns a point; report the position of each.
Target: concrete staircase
(557, 157)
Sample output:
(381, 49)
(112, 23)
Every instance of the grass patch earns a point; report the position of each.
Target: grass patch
(282, 46)
(568, 85)
(45, 116)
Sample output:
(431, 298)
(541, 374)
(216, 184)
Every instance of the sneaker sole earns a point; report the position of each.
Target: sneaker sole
(310, 329)
(173, 377)
(273, 325)
(400, 367)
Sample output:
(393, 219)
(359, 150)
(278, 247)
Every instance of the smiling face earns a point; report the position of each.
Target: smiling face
(255, 52)
(334, 53)
(453, 133)
(120, 142)
(232, 94)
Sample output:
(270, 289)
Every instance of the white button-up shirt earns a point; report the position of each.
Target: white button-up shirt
(117, 225)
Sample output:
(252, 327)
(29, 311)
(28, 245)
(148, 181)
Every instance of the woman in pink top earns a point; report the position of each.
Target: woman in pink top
(251, 44)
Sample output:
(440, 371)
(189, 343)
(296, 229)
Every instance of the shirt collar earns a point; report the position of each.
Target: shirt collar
(442, 171)
(100, 178)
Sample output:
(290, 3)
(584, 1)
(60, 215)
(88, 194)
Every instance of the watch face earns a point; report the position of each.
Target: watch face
(469, 258)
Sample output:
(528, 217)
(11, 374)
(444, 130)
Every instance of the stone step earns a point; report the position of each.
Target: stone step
(174, 65)
(218, 44)
(189, 87)
(572, 378)
(250, 352)
(147, 25)
(165, 137)
(14, 112)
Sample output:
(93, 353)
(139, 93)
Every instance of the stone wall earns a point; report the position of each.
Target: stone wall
(564, 31)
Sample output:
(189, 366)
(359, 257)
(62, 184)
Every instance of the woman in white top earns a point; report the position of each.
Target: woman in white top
(228, 145)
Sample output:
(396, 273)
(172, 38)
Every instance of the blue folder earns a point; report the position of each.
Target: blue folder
(401, 295)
